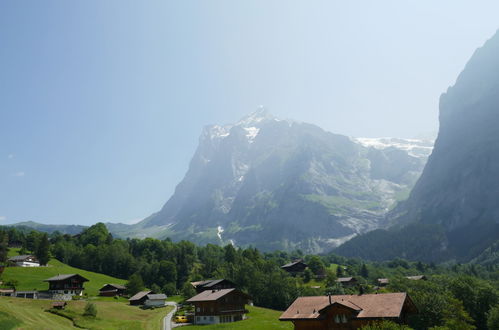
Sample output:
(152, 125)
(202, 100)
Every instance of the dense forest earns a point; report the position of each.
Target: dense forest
(455, 296)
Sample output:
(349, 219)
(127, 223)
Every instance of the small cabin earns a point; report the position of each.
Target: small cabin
(219, 306)
(295, 267)
(66, 284)
(139, 298)
(112, 290)
(219, 284)
(155, 300)
(382, 282)
(59, 304)
(417, 278)
(25, 260)
(347, 281)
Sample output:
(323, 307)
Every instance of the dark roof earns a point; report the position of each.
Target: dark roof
(213, 295)
(294, 263)
(156, 296)
(21, 257)
(139, 295)
(62, 277)
(116, 286)
(381, 305)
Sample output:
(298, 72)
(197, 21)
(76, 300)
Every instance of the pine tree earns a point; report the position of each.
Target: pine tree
(134, 284)
(42, 250)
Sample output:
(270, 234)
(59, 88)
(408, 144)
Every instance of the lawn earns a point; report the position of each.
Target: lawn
(18, 313)
(258, 319)
(30, 278)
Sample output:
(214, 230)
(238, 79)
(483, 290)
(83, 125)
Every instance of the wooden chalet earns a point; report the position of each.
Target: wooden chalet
(66, 284)
(347, 281)
(155, 300)
(139, 298)
(24, 261)
(417, 278)
(348, 312)
(112, 290)
(219, 284)
(219, 306)
(295, 267)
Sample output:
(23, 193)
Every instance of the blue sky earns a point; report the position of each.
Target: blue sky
(102, 102)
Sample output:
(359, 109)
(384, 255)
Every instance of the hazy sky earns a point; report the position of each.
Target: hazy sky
(102, 102)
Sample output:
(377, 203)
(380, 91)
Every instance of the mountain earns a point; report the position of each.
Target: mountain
(63, 229)
(281, 184)
(458, 191)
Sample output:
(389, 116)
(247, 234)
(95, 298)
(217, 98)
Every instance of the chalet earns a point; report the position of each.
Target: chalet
(347, 281)
(348, 311)
(155, 300)
(416, 278)
(6, 292)
(139, 298)
(219, 284)
(112, 290)
(383, 282)
(24, 261)
(66, 284)
(219, 306)
(295, 267)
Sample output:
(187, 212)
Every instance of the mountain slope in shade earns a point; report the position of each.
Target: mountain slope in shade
(279, 184)
(459, 188)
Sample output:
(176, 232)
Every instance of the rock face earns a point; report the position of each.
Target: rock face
(459, 188)
(279, 184)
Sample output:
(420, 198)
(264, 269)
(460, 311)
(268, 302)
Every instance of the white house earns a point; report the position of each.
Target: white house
(25, 261)
(156, 300)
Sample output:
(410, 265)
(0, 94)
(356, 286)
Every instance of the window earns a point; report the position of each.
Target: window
(336, 318)
(344, 318)
(211, 318)
(198, 309)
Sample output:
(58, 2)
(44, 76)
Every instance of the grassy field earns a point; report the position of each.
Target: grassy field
(17, 313)
(258, 319)
(30, 278)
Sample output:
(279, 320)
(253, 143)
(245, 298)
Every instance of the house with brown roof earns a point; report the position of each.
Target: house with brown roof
(218, 284)
(348, 311)
(347, 281)
(219, 306)
(295, 267)
(66, 284)
(112, 290)
(139, 298)
(383, 282)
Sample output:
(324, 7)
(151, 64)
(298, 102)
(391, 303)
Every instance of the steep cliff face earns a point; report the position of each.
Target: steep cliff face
(459, 189)
(279, 184)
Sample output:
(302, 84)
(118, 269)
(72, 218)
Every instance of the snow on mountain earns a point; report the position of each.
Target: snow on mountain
(414, 147)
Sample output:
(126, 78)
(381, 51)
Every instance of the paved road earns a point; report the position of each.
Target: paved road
(167, 321)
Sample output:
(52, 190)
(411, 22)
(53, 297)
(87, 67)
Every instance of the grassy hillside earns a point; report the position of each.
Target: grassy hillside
(32, 278)
(18, 313)
(258, 319)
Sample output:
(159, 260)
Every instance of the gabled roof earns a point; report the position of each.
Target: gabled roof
(116, 286)
(22, 257)
(213, 295)
(62, 277)
(158, 296)
(346, 279)
(416, 278)
(139, 295)
(382, 305)
(383, 281)
(208, 283)
(294, 263)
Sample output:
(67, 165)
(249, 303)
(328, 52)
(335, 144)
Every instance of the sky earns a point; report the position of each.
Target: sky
(102, 102)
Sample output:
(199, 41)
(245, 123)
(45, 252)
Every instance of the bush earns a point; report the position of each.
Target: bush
(90, 310)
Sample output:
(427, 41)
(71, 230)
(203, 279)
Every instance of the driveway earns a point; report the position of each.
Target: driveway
(167, 321)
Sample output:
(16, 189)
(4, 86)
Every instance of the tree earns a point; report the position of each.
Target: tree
(386, 325)
(134, 284)
(42, 249)
(90, 310)
(188, 290)
(307, 275)
(493, 318)
(339, 271)
(4, 246)
(316, 265)
(363, 271)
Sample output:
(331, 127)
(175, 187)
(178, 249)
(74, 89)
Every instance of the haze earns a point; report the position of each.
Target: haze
(102, 103)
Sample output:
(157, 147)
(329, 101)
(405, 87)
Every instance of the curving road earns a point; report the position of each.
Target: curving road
(167, 321)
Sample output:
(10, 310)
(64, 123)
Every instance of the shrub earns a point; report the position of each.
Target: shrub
(90, 310)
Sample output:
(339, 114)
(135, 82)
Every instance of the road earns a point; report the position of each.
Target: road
(167, 321)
